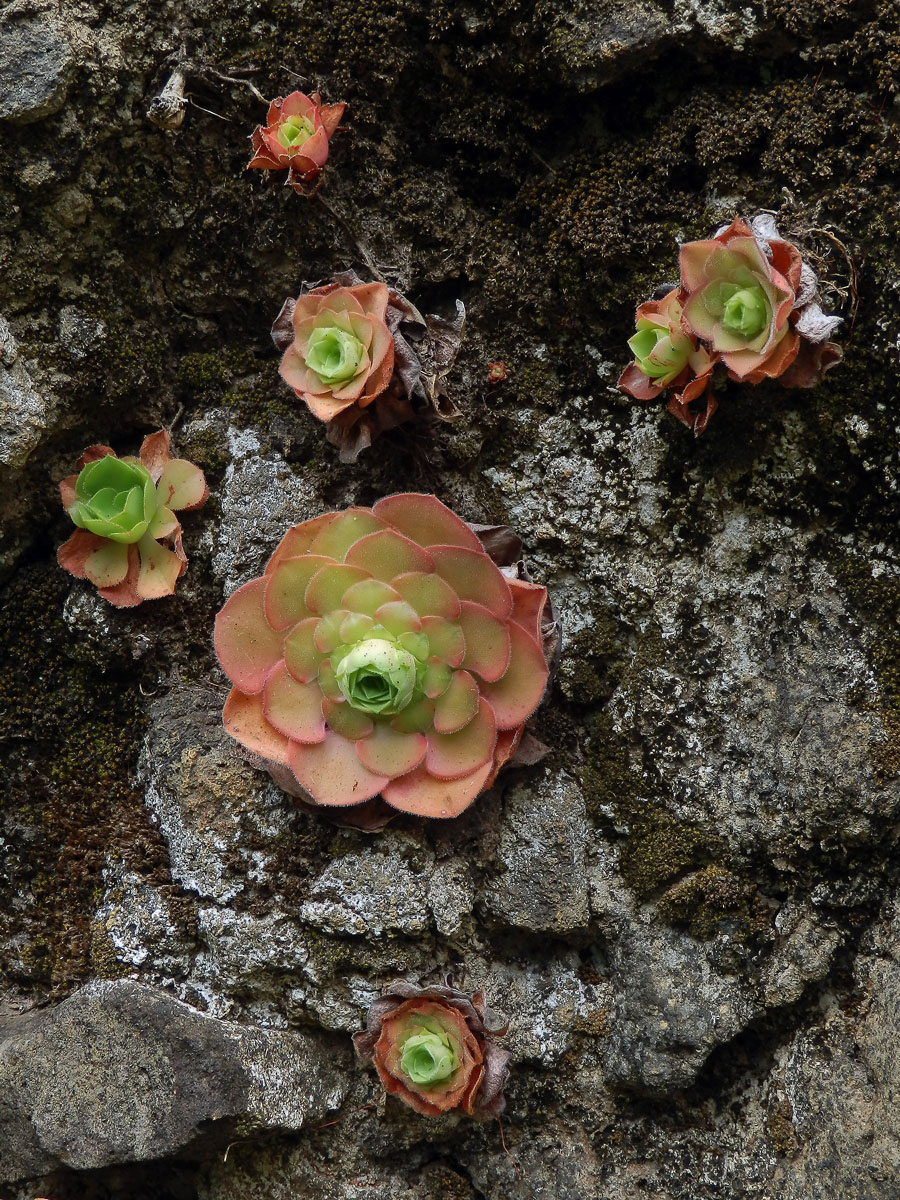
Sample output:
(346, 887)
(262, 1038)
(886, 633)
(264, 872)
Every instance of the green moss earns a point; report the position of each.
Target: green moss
(69, 734)
(713, 899)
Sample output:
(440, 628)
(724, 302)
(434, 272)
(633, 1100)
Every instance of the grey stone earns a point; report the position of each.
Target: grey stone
(369, 894)
(25, 414)
(68, 1095)
(542, 883)
(80, 334)
(36, 68)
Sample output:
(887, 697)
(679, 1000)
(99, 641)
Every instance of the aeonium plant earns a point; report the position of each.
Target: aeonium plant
(434, 1048)
(383, 653)
(128, 540)
(363, 359)
(296, 138)
(746, 299)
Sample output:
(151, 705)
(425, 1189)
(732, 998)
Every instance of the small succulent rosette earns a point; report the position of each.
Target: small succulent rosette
(128, 540)
(434, 1048)
(384, 654)
(746, 299)
(364, 359)
(296, 138)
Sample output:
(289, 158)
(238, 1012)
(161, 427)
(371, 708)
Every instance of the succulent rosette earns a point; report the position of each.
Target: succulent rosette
(128, 540)
(383, 653)
(434, 1049)
(364, 359)
(296, 137)
(746, 297)
(667, 356)
(739, 293)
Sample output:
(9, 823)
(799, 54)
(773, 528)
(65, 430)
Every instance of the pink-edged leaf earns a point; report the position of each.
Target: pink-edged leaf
(73, 554)
(507, 742)
(163, 524)
(286, 589)
(327, 586)
(245, 720)
(529, 602)
(425, 796)
(445, 639)
(347, 721)
(159, 571)
(367, 597)
(155, 453)
(698, 319)
(390, 753)
(437, 678)
(92, 453)
(298, 540)
(326, 408)
(473, 576)
(294, 709)
(694, 257)
(386, 554)
(301, 655)
(428, 594)
(458, 705)
(327, 634)
(487, 641)
(182, 485)
(515, 697)
(67, 491)
(634, 383)
(107, 565)
(398, 618)
(341, 533)
(246, 644)
(453, 755)
(417, 717)
(332, 773)
(426, 521)
(331, 115)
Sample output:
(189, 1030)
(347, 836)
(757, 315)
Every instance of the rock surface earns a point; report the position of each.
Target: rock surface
(121, 1072)
(689, 910)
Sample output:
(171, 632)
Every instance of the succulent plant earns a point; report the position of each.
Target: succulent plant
(746, 297)
(666, 356)
(434, 1049)
(128, 540)
(295, 138)
(383, 653)
(364, 359)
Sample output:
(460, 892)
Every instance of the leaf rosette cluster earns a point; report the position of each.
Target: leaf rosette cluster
(383, 653)
(434, 1049)
(746, 299)
(128, 540)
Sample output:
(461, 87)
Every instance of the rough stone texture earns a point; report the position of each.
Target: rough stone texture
(121, 1073)
(36, 68)
(689, 911)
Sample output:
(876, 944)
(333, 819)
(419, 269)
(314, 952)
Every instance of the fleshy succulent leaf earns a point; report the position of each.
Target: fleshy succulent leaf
(247, 645)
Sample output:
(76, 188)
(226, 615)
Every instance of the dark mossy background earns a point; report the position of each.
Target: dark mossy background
(541, 162)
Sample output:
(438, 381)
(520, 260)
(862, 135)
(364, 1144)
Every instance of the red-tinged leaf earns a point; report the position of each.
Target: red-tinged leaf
(486, 640)
(298, 540)
(245, 720)
(515, 697)
(247, 645)
(390, 753)
(473, 576)
(453, 755)
(286, 589)
(458, 705)
(332, 773)
(425, 796)
(426, 521)
(294, 709)
(386, 554)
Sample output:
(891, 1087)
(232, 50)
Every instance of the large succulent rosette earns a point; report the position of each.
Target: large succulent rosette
(434, 1049)
(364, 359)
(295, 138)
(128, 540)
(383, 653)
